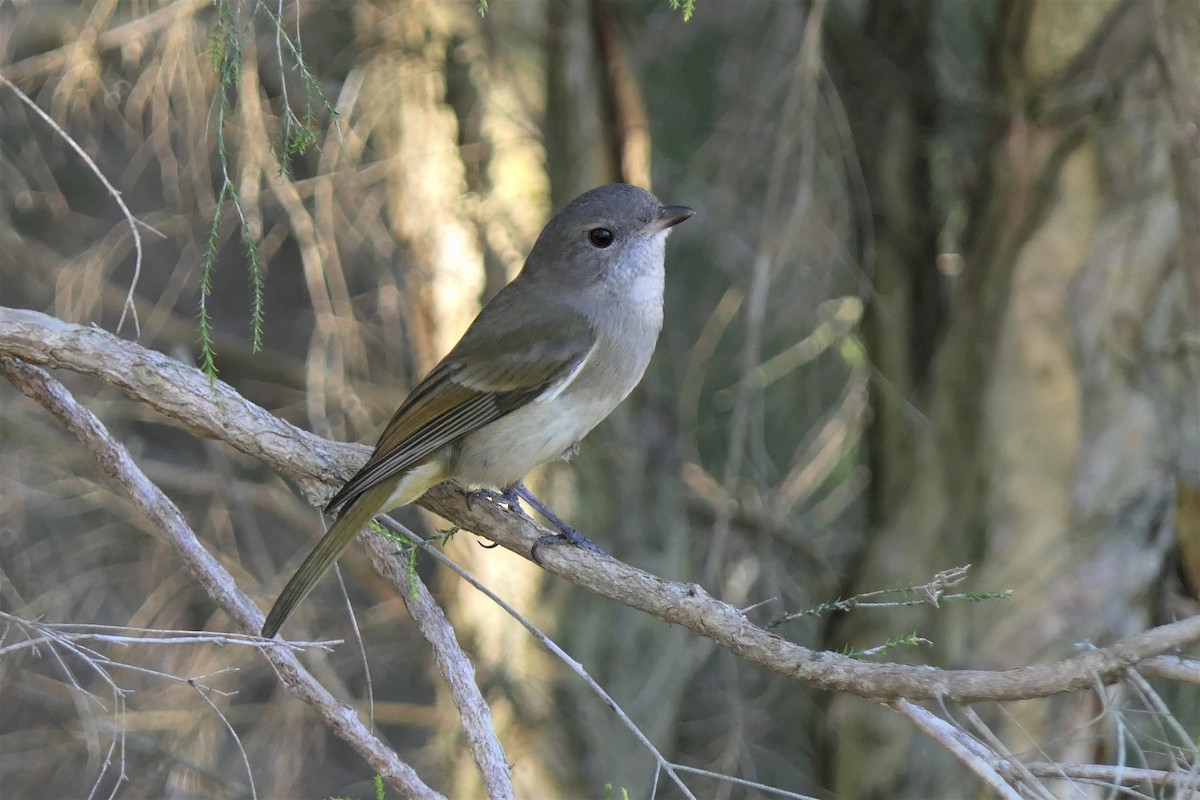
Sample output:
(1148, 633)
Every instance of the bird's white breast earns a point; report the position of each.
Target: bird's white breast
(503, 452)
(627, 313)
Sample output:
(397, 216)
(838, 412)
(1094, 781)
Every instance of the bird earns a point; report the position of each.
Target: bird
(546, 359)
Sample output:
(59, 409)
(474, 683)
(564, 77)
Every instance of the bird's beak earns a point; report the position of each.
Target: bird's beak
(669, 217)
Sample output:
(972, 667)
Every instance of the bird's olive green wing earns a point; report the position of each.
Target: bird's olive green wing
(483, 378)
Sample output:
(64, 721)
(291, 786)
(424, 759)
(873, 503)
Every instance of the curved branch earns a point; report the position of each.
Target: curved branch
(453, 665)
(220, 585)
(183, 394)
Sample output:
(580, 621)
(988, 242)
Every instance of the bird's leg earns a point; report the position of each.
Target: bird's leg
(511, 498)
(567, 533)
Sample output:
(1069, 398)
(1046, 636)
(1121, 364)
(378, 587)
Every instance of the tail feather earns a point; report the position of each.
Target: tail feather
(345, 529)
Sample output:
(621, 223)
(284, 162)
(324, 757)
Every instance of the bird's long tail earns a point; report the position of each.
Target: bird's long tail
(336, 540)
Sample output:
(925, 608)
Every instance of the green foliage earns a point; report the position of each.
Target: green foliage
(896, 643)
(410, 572)
(225, 52)
(207, 352)
(408, 551)
(688, 7)
(608, 792)
(297, 133)
(862, 601)
(933, 593)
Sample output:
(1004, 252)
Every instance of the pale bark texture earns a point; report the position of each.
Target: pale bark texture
(1054, 368)
(466, 193)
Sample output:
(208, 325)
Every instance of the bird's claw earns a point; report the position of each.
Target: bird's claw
(568, 536)
(507, 499)
(511, 498)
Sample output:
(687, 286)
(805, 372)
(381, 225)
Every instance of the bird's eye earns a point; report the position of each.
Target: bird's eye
(600, 237)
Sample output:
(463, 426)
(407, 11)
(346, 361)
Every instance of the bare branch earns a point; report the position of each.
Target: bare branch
(128, 307)
(182, 393)
(217, 582)
(966, 749)
(1171, 667)
(1111, 775)
(550, 645)
(454, 666)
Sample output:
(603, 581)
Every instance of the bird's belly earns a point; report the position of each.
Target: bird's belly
(503, 452)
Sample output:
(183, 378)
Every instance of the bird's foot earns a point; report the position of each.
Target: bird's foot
(508, 499)
(566, 532)
(568, 535)
(511, 498)
(505, 499)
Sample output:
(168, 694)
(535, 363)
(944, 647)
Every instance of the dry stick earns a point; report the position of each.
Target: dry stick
(113, 192)
(1155, 703)
(1167, 722)
(1121, 734)
(452, 663)
(184, 394)
(232, 735)
(71, 637)
(97, 665)
(1172, 668)
(1109, 774)
(1032, 784)
(968, 750)
(380, 547)
(761, 787)
(219, 584)
(468, 698)
(179, 392)
(119, 635)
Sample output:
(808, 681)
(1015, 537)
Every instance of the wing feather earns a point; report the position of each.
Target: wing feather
(476, 384)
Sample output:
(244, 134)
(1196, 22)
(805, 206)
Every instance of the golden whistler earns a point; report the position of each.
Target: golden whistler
(545, 361)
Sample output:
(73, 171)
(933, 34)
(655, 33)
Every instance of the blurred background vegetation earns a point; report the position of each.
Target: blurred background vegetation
(940, 305)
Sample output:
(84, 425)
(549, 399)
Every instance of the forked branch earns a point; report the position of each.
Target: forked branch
(185, 395)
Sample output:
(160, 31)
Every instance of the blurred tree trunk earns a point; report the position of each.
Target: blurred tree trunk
(467, 194)
(466, 94)
(1058, 402)
(597, 132)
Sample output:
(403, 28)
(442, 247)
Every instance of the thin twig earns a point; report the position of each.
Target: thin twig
(233, 735)
(1162, 712)
(217, 582)
(762, 787)
(549, 644)
(1110, 774)
(452, 662)
(965, 748)
(76, 632)
(993, 741)
(113, 192)
(317, 465)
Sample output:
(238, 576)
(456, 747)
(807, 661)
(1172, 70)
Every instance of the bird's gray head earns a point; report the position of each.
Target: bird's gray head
(611, 232)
